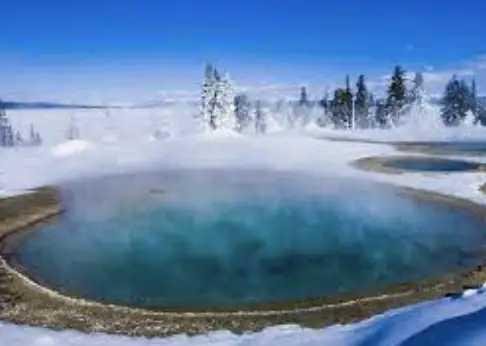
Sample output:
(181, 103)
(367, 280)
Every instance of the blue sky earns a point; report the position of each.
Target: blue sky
(127, 48)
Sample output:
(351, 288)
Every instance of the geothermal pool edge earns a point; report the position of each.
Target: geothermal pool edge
(434, 148)
(24, 301)
(382, 164)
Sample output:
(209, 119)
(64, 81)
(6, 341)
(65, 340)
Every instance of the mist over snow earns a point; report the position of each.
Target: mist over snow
(124, 140)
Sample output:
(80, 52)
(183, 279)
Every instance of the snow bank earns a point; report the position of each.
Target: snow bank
(444, 322)
(71, 147)
(221, 133)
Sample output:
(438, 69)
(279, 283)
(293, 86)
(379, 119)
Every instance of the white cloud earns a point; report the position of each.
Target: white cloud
(94, 87)
(479, 62)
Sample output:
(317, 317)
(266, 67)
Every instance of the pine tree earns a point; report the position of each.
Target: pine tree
(381, 115)
(303, 108)
(260, 118)
(6, 131)
(456, 102)
(417, 93)
(223, 110)
(207, 96)
(35, 138)
(474, 101)
(397, 93)
(324, 101)
(242, 112)
(304, 99)
(362, 103)
(324, 104)
(347, 102)
(340, 109)
(477, 108)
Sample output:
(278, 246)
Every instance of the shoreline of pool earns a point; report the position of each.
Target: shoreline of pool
(38, 305)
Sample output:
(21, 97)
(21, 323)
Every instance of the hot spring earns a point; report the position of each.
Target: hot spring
(215, 238)
(453, 147)
(462, 146)
(424, 164)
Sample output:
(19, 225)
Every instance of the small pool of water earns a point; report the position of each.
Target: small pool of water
(230, 238)
(476, 146)
(431, 165)
(454, 147)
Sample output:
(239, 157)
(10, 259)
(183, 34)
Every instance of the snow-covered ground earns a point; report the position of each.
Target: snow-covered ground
(125, 141)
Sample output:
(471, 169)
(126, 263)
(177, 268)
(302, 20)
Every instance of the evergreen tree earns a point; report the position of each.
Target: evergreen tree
(456, 102)
(381, 116)
(304, 99)
(417, 93)
(340, 109)
(242, 111)
(35, 138)
(303, 108)
(477, 108)
(6, 131)
(347, 102)
(324, 104)
(223, 110)
(474, 101)
(397, 93)
(260, 118)
(207, 96)
(362, 104)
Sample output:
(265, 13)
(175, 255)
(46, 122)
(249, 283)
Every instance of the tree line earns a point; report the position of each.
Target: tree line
(9, 138)
(350, 107)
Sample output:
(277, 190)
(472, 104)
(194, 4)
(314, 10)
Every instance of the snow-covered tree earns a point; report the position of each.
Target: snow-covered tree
(341, 107)
(362, 104)
(224, 108)
(242, 112)
(474, 101)
(35, 138)
(6, 132)
(207, 96)
(417, 94)
(260, 118)
(217, 101)
(397, 94)
(415, 110)
(455, 102)
(325, 105)
(302, 109)
(382, 117)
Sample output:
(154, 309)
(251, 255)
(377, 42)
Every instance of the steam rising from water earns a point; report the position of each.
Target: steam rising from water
(232, 237)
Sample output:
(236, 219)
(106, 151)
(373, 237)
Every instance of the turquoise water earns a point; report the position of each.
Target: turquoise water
(227, 238)
(467, 147)
(433, 165)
